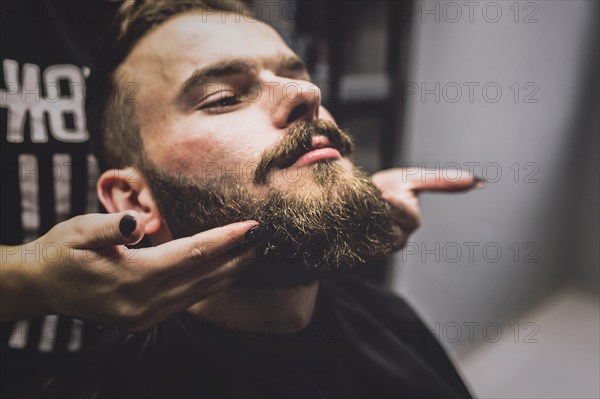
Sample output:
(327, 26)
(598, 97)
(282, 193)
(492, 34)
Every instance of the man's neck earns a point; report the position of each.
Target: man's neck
(241, 307)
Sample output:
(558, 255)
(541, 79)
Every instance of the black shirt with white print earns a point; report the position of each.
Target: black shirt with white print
(48, 173)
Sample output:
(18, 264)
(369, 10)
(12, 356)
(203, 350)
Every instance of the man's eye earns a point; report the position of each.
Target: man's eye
(222, 102)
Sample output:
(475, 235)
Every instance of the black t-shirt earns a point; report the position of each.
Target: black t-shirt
(361, 342)
(48, 173)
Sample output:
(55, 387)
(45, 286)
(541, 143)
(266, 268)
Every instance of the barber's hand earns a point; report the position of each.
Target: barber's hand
(86, 271)
(400, 188)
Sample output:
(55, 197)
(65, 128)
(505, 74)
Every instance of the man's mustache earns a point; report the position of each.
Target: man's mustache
(297, 142)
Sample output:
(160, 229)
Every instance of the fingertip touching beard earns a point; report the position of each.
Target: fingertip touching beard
(332, 225)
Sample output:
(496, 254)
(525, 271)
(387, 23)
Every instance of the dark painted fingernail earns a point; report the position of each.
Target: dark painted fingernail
(480, 182)
(127, 225)
(256, 233)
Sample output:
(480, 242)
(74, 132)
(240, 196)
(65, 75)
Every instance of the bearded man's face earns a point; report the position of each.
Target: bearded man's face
(233, 130)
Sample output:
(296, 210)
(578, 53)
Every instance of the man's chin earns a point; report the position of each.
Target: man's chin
(261, 277)
(274, 271)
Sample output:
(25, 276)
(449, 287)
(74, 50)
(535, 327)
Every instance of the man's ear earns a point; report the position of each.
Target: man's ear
(125, 189)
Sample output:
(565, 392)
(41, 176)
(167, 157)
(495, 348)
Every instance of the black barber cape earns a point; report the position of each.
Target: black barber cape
(361, 342)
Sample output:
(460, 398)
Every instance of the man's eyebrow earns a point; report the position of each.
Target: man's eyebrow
(200, 77)
(292, 63)
(231, 67)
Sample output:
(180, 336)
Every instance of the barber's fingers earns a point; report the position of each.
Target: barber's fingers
(177, 256)
(405, 210)
(95, 231)
(198, 280)
(441, 180)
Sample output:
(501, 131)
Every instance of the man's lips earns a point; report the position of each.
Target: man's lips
(301, 139)
(320, 149)
(316, 155)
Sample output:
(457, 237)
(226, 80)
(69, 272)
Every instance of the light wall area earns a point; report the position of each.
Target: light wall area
(481, 258)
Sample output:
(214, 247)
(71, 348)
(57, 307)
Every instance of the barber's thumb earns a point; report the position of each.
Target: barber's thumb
(106, 230)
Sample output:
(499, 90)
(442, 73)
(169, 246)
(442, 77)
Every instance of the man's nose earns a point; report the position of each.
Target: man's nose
(298, 100)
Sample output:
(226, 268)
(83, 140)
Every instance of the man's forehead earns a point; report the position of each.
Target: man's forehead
(194, 40)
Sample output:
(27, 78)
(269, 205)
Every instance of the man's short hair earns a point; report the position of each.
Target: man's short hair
(110, 99)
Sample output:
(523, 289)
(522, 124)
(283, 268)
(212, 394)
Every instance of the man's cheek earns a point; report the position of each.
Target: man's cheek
(241, 167)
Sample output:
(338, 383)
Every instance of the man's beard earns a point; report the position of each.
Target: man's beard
(340, 223)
